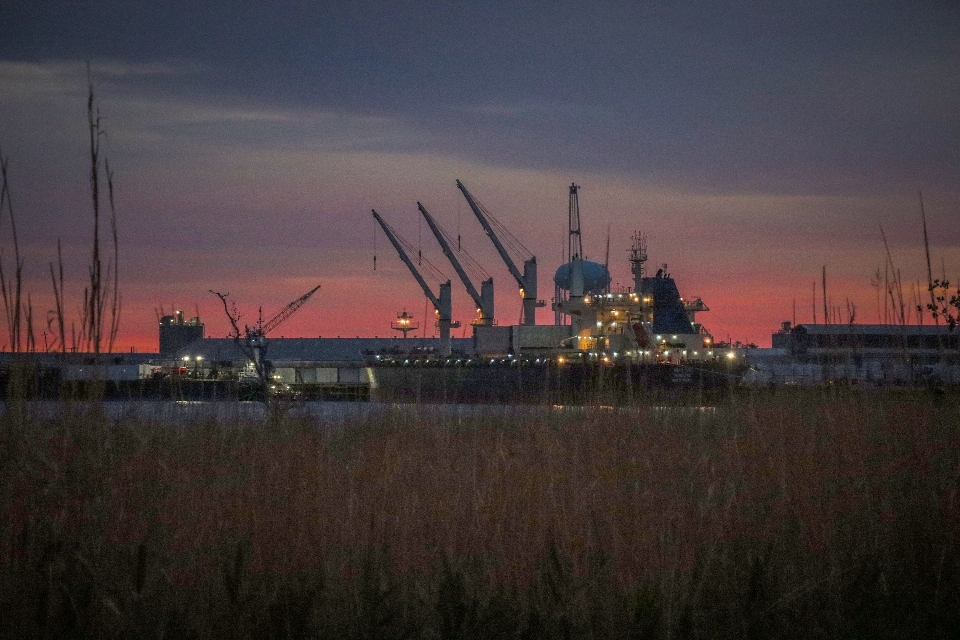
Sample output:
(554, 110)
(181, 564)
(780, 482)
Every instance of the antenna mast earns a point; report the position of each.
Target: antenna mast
(574, 245)
(638, 256)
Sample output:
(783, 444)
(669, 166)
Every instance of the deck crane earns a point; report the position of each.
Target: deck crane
(484, 299)
(441, 301)
(527, 281)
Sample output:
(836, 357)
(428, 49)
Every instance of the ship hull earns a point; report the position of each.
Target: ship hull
(617, 384)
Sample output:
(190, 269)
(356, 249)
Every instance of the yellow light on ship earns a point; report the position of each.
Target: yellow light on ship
(561, 360)
(731, 355)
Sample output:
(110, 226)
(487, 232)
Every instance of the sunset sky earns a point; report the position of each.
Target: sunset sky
(753, 143)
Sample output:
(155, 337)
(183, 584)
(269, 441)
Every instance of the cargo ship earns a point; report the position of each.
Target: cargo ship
(605, 344)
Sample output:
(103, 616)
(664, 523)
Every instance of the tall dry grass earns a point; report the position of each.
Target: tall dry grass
(99, 316)
(786, 515)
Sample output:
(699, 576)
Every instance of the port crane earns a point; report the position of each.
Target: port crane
(483, 299)
(255, 337)
(527, 281)
(441, 300)
(263, 328)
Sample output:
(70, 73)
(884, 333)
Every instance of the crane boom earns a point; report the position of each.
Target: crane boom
(527, 281)
(391, 235)
(483, 299)
(447, 251)
(288, 311)
(442, 302)
(477, 211)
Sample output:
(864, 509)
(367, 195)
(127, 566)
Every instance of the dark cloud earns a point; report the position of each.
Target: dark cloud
(723, 96)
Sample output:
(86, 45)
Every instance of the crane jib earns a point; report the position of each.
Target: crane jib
(504, 255)
(393, 238)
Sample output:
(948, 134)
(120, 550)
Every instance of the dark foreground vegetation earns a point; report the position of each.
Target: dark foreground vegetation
(779, 516)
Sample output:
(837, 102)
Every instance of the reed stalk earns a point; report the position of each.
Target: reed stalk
(784, 515)
(11, 290)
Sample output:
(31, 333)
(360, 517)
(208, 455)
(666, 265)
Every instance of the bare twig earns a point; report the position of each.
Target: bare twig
(241, 338)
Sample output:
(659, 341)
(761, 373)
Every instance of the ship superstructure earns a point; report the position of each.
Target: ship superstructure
(646, 323)
(649, 322)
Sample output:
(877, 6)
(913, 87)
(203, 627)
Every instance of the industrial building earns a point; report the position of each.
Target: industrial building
(808, 354)
(175, 333)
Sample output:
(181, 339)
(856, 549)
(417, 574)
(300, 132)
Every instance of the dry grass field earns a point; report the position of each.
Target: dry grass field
(778, 515)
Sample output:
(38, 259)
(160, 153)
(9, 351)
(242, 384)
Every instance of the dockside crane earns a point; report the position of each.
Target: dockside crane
(441, 301)
(254, 344)
(285, 313)
(527, 281)
(257, 336)
(483, 299)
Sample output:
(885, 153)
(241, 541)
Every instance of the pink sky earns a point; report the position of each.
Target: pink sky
(263, 199)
